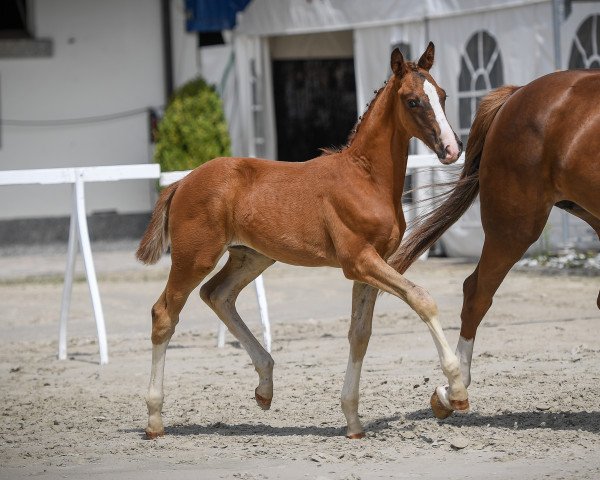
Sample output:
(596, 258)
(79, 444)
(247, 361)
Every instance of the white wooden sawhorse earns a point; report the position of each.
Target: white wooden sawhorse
(168, 178)
(78, 231)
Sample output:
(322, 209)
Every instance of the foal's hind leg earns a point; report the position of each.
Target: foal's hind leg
(186, 274)
(221, 292)
(363, 303)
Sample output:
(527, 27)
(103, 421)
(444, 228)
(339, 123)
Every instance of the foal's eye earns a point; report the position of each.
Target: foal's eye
(413, 103)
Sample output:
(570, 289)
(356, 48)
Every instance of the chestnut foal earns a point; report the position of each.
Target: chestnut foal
(342, 209)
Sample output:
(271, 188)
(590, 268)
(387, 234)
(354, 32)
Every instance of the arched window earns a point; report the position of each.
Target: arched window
(480, 71)
(585, 51)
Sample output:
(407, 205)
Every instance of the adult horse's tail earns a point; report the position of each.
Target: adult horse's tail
(432, 225)
(156, 238)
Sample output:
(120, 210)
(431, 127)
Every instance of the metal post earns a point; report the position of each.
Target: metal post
(558, 12)
(557, 18)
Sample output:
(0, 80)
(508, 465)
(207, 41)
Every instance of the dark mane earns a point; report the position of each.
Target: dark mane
(354, 131)
(332, 150)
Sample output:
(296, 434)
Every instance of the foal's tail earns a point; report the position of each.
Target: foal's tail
(156, 238)
(433, 224)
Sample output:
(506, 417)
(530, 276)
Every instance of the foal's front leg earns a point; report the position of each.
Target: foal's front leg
(369, 267)
(363, 302)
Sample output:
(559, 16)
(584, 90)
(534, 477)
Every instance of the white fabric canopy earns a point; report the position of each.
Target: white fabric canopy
(278, 17)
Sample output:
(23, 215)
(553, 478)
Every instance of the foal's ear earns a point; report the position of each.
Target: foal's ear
(426, 60)
(397, 63)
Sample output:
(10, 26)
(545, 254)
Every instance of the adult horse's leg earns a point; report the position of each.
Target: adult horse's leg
(363, 303)
(368, 267)
(187, 271)
(220, 294)
(509, 237)
(509, 231)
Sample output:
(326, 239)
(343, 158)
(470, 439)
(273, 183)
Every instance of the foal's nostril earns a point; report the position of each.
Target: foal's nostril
(452, 152)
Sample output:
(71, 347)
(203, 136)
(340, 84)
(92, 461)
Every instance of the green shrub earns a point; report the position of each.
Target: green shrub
(193, 129)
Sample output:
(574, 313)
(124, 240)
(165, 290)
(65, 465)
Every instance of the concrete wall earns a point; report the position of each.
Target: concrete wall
(107, 58)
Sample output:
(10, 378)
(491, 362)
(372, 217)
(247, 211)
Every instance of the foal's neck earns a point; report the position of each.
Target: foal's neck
(380, 143)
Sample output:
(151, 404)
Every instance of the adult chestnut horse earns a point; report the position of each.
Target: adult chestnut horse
(529, 148)
(342, 209)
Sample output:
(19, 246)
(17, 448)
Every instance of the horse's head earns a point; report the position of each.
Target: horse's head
(421, 105)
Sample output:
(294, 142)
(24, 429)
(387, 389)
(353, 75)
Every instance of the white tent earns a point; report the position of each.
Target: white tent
(480, 44)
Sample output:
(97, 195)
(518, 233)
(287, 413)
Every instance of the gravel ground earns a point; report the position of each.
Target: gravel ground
(535, 404)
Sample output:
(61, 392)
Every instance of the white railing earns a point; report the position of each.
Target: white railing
(428, 160)
(78, 231)
(79, 234)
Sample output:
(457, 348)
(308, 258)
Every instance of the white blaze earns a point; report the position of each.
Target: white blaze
(446, 133)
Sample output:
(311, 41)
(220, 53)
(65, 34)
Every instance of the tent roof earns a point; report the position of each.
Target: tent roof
(281, 17)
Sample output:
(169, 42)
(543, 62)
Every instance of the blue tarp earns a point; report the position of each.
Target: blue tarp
(212, 15)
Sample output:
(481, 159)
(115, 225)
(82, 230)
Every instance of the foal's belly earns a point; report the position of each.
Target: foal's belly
(302, 245)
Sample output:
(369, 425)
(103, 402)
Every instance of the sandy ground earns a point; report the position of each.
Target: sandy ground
(535, 395)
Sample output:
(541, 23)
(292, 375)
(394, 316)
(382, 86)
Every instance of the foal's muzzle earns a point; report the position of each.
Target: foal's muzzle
(450, 152)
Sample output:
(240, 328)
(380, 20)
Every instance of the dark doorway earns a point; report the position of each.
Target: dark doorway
(315, 106)
(13, 19)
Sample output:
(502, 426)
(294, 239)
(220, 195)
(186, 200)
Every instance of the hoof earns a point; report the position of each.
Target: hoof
(460, 405)
(264, 403)
(356, 436)
(439, 410)
(150, 435)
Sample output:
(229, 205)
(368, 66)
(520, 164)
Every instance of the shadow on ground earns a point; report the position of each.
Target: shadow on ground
(587, 421)
(245, 429)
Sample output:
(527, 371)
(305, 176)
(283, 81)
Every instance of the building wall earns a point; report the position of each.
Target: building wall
(186, 54)
(107, 58)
